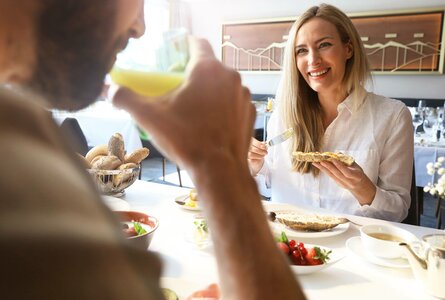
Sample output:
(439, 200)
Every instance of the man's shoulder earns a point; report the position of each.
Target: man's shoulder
(20, 103)
(23, 115)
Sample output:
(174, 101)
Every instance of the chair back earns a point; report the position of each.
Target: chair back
(413, 217)
(71, 129)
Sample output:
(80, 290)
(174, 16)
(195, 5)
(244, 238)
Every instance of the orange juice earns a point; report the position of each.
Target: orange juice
(147, 83)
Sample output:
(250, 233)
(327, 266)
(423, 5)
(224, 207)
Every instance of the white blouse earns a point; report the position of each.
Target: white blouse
(379, 135)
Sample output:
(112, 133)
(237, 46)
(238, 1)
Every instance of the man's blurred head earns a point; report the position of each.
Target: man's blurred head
(76, 45)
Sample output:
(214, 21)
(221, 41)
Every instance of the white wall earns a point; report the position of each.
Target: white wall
(208, 16)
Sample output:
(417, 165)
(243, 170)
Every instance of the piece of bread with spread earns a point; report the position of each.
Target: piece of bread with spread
(308, 222)
(323, 156)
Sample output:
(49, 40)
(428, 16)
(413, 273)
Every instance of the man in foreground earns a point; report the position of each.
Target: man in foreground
(57, 240)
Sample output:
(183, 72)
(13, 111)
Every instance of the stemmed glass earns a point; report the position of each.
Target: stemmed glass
(420, 110)
(417, 120)
(429, 123)
(421, 106)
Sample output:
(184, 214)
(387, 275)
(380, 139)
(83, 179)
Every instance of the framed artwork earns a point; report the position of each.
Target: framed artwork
(396, 42)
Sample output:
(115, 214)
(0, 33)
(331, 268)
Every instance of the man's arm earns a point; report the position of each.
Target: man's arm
(206, 126)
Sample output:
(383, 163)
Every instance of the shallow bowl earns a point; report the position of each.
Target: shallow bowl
(149, 223)
(383, 240)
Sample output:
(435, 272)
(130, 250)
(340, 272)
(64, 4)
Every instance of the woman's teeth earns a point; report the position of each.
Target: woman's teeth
(314, 74)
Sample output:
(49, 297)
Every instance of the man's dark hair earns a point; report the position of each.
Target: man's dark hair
(74, 50)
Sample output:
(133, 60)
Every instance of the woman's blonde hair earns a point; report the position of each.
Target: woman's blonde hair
(298, 103)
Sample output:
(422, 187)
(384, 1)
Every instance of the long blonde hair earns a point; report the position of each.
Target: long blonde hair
(298, 103)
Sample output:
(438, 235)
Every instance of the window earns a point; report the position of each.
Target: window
(157, 19)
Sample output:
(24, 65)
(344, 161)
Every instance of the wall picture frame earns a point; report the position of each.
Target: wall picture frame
(403, 42)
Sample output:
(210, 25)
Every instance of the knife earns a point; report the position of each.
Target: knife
(281, 137)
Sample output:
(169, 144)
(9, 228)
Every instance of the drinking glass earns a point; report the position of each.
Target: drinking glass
(154, 73)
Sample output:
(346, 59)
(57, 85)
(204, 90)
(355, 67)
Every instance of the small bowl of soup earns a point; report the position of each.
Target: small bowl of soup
(383, 240)
(139, 228)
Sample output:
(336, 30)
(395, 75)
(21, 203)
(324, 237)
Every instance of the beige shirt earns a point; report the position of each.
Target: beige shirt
(379, 135)
(57, 239)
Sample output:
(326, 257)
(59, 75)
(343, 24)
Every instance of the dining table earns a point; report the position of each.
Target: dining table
(424, 153)
(188, 266)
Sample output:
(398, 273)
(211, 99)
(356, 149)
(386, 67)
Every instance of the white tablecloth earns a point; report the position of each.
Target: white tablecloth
(187, 267)
(422, 156)
(100, 121)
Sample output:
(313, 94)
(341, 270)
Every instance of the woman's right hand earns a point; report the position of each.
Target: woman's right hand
(255, 157)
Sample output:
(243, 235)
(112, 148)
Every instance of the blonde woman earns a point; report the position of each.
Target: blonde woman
(321, 96)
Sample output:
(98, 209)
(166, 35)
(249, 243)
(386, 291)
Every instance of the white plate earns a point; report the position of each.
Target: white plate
(184, 287)
(184, 198)
(355, 245)
(115, 203)
(335, 256)
(277, 228)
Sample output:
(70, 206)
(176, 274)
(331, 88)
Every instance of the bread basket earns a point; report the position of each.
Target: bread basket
(114, 182)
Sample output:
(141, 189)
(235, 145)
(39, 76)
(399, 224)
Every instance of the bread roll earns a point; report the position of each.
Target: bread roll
(96, 151)
(193, 195)
(137, 156)
(116, 146)
(85, 163)
(118, 179)
(109, 162)
(93, 162)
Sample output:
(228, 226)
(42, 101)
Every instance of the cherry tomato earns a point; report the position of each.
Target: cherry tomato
(284, 247)
(129, 232)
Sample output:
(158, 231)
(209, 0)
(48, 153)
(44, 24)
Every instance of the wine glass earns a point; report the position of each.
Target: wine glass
(417, 120)
(429, 126)
(421, 107)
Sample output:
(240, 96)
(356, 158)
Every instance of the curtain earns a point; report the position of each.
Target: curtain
(180, 15)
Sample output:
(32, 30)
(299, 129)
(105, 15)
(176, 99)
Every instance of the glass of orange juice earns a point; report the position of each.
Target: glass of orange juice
(157, 72)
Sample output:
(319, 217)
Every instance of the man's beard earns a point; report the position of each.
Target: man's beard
(74, 51)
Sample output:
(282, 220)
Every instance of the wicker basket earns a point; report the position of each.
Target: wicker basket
(114, 182)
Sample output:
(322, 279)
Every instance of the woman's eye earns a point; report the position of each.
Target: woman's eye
(325, 44)
(300, 51)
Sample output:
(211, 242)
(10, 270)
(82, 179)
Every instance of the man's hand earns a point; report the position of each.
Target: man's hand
(209, 116)
(205, 126)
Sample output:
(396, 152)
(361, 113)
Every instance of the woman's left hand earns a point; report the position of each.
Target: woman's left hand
(351, 178)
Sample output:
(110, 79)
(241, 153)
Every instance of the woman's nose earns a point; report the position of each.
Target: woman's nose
(314, 58)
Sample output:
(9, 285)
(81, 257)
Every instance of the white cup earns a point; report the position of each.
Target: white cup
(383, 240)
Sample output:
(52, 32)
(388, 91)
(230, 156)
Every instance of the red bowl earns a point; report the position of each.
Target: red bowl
(141, 241)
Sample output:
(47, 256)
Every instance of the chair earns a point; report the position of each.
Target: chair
(415, 207)
(71, 129)
(439, 209)
(259, 134)
(154, 153)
